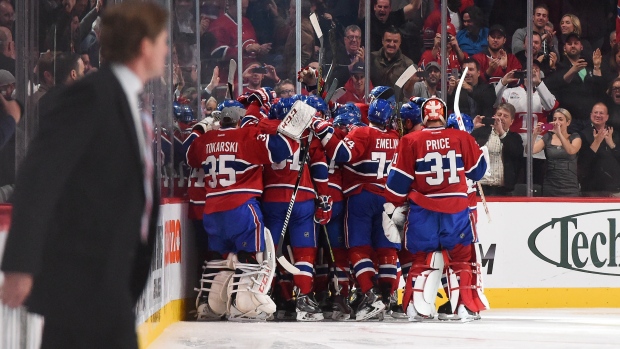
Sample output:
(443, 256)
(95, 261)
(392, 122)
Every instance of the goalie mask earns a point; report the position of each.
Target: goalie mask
(434, 109)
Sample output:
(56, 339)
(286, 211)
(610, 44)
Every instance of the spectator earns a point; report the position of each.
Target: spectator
(353, 53)
(7, 14)
(388, 63)
(613, 93)
(413, 45)
(472, 38)
(10, 111)
(548, 61)
(540, 19)
(512, 15)
(307, 40)
(599, 158)
(69, 69)
(90, 45)
(383, 19)
(224, 28)
(578, 82)
(505, 152)
(285, 88)
(45, 76)
(561, 148)
(70, 37)
(477, 97)
(7, 153)
(429, 86)
(611, 64)
(208, 106)
(7, 50)
(433, 21)
(454, 52)
(88, 68)
(571, 24)
(543, 102)
(495, 62)
(255, 74)
(355, 86)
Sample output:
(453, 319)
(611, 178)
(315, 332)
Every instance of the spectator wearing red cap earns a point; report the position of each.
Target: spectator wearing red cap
(495, 62)
(355, 85)
(455, 54)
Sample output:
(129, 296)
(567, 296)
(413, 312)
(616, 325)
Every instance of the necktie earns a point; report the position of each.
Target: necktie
(147, 160)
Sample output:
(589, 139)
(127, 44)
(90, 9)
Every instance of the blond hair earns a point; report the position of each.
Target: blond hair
(566, 114)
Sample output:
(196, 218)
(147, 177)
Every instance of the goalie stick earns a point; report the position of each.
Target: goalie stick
(459, 120)
(398, 87)
(232, 67)
(319, 33)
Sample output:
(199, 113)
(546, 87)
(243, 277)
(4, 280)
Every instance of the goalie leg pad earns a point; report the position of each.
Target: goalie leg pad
(212, 301)
(251, 282)
(461, 292)
(479, 297)
(426, 285)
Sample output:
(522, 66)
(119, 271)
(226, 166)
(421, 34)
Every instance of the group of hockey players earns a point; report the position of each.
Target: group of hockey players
(373, 203)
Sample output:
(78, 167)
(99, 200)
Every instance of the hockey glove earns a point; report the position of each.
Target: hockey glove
(203, 125)
(323, 212)
(320, 127)
(263, 96)
(393, 220)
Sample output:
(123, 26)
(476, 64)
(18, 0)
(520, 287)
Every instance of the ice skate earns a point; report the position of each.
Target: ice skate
(308, 309)
(371, 305)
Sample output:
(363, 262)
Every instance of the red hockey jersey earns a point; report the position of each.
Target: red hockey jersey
(367, 155)
(231, 159)
(279, 178)
(430, 169)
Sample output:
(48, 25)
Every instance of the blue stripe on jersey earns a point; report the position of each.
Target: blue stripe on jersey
(319, 171)
(398, 182)
(342, 153)
(477, 172)
(279, 148)
(424, 167)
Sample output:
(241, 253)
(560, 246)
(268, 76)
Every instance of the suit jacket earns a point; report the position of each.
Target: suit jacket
(512, 153)
(77, 209)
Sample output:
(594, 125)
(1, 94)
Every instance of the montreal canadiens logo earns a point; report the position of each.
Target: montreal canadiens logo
(433, 109)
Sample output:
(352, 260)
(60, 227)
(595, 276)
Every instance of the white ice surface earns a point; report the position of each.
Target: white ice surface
(503, 328)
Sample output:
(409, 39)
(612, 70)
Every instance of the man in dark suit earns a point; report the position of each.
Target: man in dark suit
(85, 203)
(505, 152)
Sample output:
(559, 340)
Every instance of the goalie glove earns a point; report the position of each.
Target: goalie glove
(394, 221)
(323, 212)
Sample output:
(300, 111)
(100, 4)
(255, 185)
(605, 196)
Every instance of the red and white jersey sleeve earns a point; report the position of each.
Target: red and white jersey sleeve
(367, 154)
(231, 159)
(430, 169)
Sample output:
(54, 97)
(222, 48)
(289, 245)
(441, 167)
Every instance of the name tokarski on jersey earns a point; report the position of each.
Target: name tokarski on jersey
(430, 167)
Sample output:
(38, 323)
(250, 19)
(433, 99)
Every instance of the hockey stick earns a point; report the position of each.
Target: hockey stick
(279, 255)
(232, 67)
(319, 33)
(339, 93)
(331, 90)
(459, 120)
(398, 87)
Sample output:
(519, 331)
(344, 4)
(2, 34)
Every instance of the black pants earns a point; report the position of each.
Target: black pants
(57, 336)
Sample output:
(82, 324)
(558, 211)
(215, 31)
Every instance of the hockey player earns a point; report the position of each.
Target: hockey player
(279, 180)
(346, 117)
(411, 117)
(237, 274)
(429, 173)
(366, 153)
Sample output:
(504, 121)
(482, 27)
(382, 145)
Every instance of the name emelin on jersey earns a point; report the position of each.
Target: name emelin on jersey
(383, 143)
(218, 147)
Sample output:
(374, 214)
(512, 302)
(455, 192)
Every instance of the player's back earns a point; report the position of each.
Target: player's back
(231, 159)
(372, 150)
(441, 157)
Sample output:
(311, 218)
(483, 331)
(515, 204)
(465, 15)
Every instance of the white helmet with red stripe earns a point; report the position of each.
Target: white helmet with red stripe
(434, 109)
